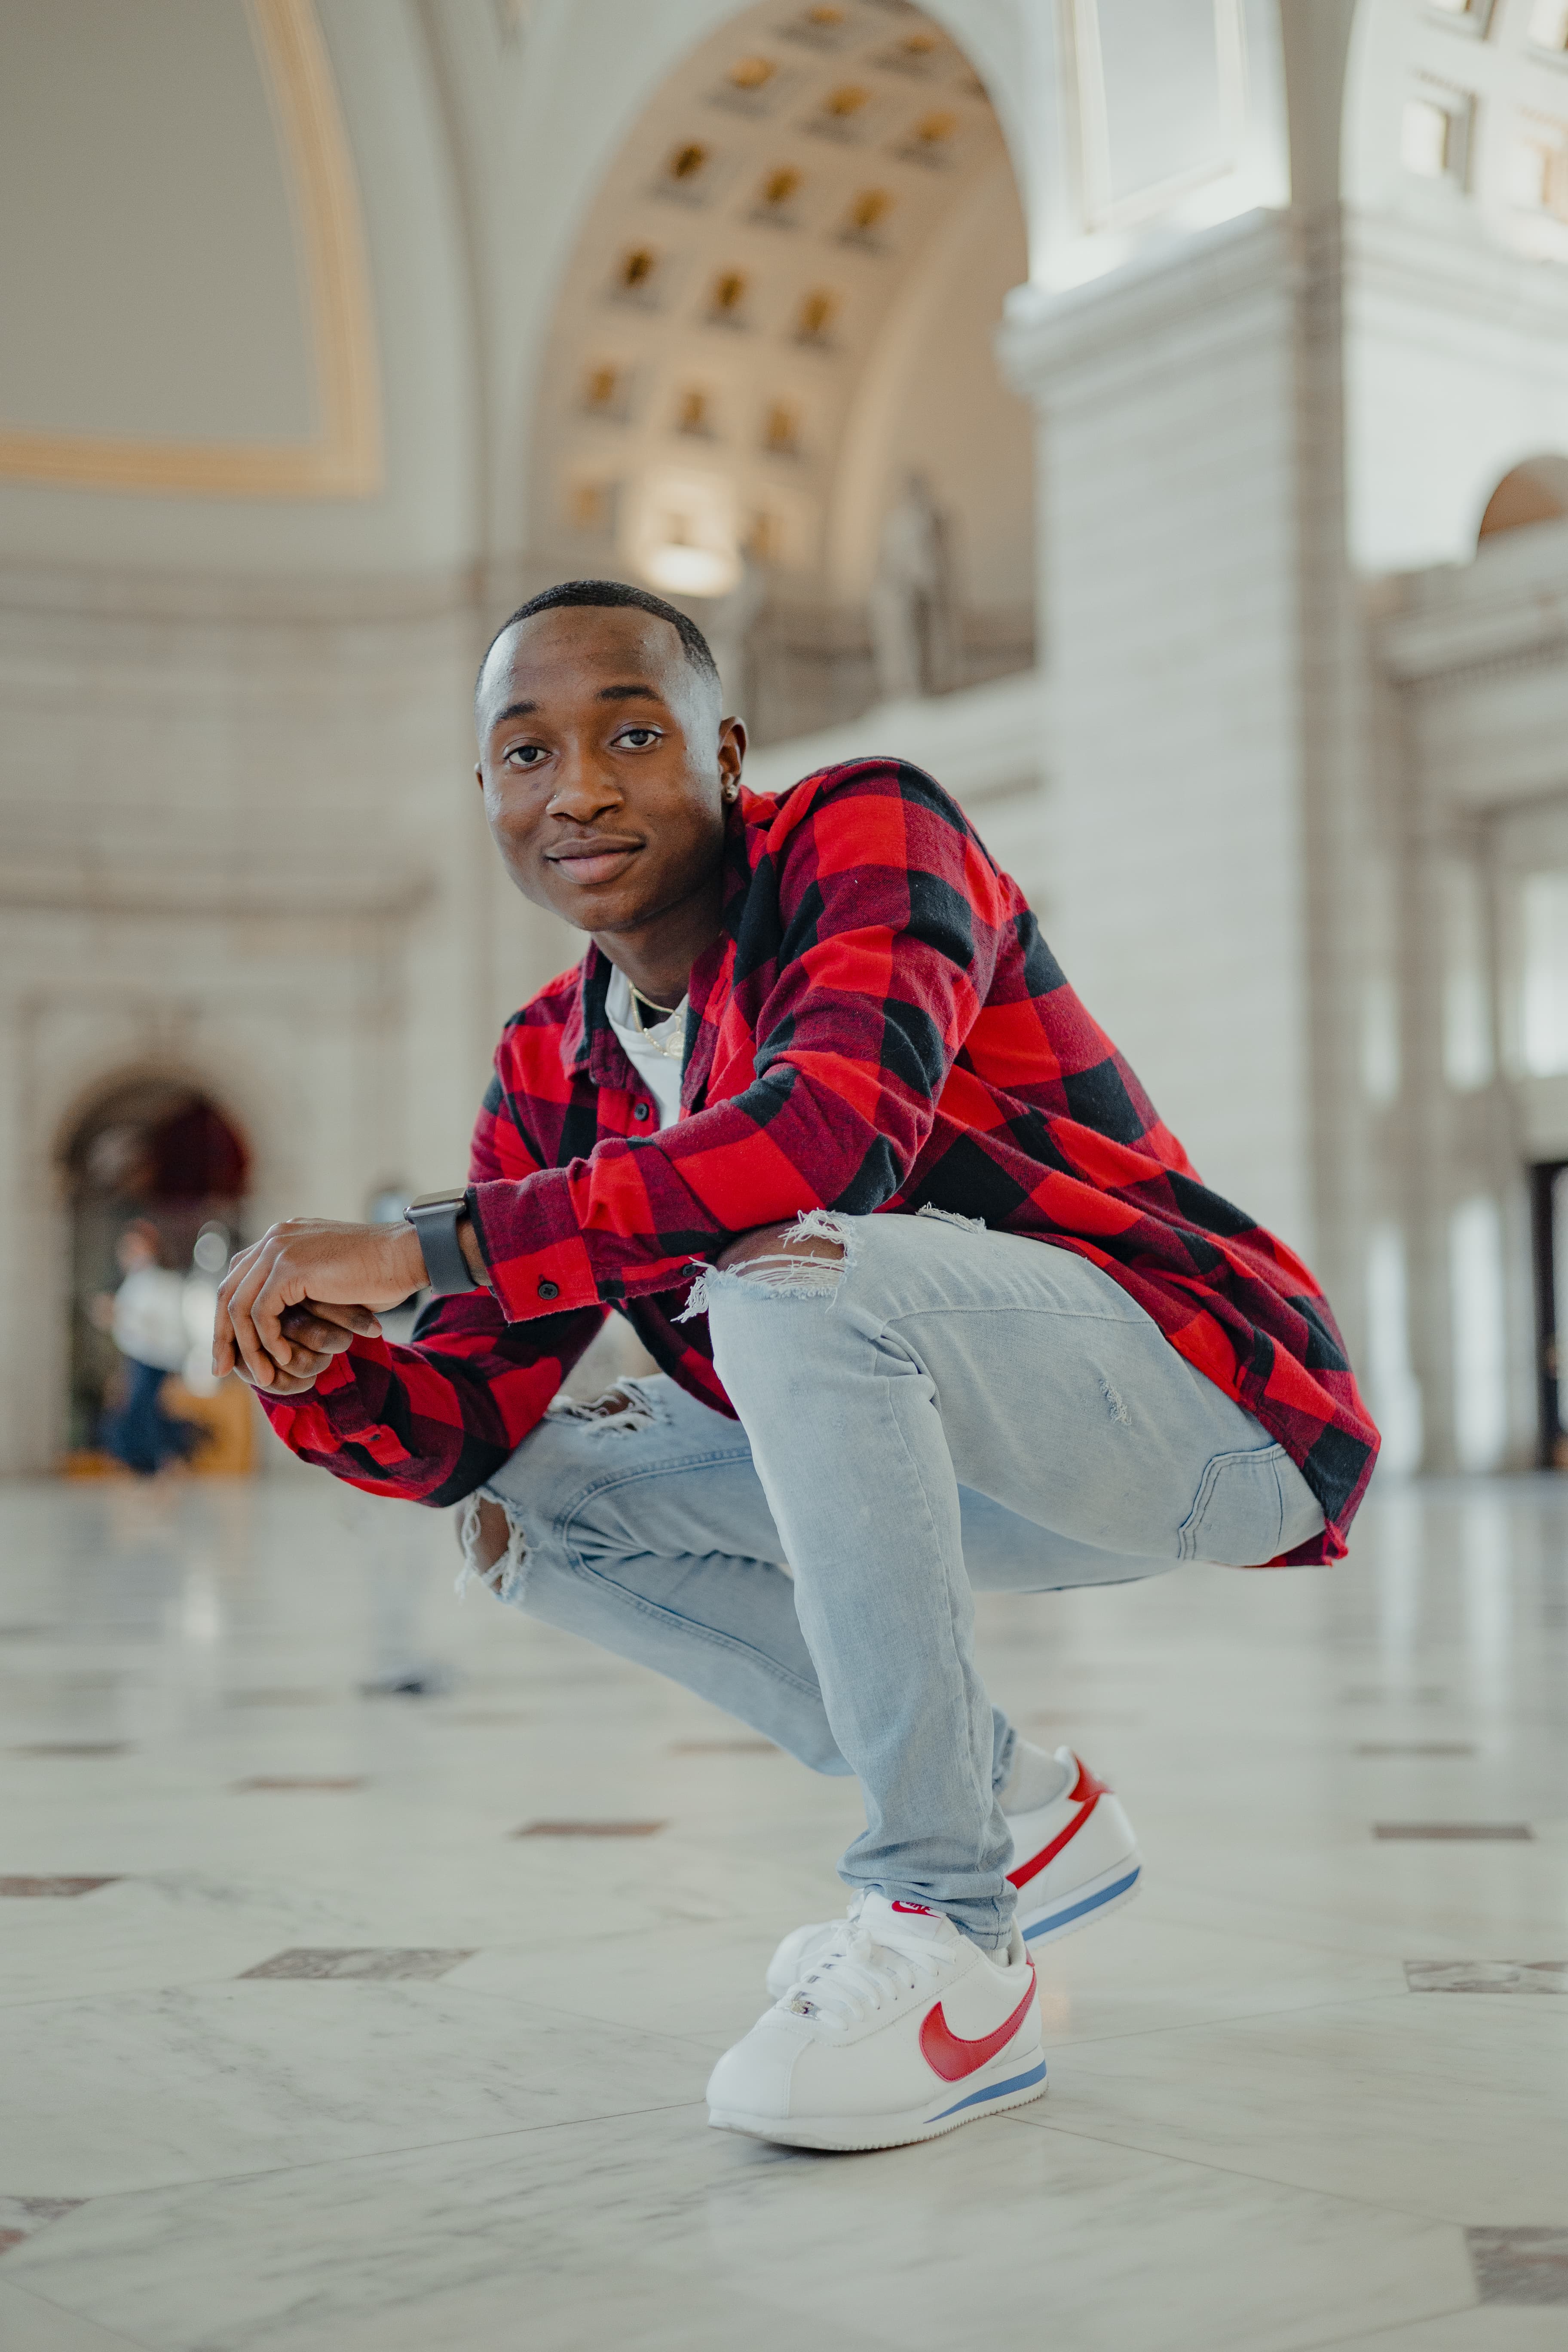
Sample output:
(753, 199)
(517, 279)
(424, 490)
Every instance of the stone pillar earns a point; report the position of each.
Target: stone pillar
(1204, 658)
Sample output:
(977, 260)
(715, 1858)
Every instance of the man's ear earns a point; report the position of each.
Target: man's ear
(478, 775)
(732, 753)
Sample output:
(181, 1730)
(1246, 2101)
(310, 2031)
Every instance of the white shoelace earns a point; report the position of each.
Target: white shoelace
(858, 1977)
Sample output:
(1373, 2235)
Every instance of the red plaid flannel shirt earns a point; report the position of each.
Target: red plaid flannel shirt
(880, 1026)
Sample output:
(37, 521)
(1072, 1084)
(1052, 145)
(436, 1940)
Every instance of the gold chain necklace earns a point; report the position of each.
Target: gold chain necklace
(673, 1047)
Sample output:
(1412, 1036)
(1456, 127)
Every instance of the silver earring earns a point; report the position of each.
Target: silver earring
(732, 791)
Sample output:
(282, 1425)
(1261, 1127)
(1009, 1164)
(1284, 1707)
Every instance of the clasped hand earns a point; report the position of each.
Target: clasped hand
(297, 1298)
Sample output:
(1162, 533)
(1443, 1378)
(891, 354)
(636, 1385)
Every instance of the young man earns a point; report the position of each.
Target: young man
(940, 1305)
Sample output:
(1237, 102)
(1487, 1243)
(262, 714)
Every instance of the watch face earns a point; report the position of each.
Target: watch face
(437, 1201)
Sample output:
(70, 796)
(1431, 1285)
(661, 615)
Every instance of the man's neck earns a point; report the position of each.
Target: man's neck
(657, 957)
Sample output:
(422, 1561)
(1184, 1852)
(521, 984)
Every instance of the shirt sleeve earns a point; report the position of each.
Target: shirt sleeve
(889, 912)
(429, 1422)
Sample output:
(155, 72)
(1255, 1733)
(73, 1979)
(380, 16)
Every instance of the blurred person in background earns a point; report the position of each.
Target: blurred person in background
(148, 1318)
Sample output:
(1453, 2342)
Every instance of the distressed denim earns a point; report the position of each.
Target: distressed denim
(943, 1410)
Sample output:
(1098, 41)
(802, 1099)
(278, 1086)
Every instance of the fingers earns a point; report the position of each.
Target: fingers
(223, 1352)
(306, 1330)
(282, 1384)
(343, 1323)
(264, 1352)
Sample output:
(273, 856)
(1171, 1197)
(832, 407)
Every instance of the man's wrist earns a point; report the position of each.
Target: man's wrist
(411, 1266)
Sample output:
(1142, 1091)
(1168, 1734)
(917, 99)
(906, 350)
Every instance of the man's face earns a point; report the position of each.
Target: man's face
(602, 761)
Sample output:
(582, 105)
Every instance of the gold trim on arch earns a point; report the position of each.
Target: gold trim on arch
(344, 461)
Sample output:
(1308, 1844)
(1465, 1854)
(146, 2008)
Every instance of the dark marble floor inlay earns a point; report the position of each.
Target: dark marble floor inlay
(589, 1829)
(1487, 1976)
(1520, 2265)
(1415, 1748)
(275, 1780)
(1457, 1832)
(54, 1887)
(22, 2217)
(724, 1748)
(287, 1697)
(380, 1964)
(490, 1718)
(73, 1747)
(1372, 1695)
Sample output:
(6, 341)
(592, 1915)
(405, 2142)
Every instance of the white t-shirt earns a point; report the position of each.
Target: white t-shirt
(648, 1050)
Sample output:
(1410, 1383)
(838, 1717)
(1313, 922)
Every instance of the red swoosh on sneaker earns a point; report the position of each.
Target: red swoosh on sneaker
(1087, 1791)
(949, 2055)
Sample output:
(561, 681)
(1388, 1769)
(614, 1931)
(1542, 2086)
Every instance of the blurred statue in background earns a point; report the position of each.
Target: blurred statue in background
(729, 624)
(913, 617)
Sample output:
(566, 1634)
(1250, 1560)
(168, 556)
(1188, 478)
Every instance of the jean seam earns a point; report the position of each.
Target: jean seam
(1187, 1535)
(952, 1634)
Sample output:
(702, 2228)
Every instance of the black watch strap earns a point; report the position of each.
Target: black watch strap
(434, 1217)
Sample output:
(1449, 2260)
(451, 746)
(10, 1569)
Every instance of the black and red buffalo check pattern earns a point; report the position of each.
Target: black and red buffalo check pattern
(880, 1026)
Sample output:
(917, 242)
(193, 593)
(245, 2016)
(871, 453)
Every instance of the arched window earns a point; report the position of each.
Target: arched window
(1536, 491)
(150, 1149)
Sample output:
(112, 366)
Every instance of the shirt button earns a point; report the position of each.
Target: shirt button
(639, 1110)
(550, 1290)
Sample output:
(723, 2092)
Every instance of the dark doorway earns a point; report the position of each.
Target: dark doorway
(149, 1149)
(1548, 1218)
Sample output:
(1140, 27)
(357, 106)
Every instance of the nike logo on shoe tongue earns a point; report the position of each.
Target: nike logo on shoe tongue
(923, 1908)
(951, 2056)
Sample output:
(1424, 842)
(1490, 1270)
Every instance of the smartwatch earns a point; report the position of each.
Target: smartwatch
(434, 1217)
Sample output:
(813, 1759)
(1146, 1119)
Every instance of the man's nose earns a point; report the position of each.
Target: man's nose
(582, 787)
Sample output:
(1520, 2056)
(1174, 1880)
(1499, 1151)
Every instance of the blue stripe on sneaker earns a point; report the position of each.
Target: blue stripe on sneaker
(995, 2091)
(1089, 1903)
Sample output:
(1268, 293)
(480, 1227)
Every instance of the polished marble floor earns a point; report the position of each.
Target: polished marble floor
(306, 2048)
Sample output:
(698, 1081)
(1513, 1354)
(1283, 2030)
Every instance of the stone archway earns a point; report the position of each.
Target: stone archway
(780, 306)
(154, 1149)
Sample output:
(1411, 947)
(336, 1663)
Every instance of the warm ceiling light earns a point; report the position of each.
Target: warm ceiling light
(637, 266)
(687, 162)
(815, 315)
(729, 293)
(751, 73)
(843, 102)
(780, 185)
(869, 206)
(684, 570)
(932, 128)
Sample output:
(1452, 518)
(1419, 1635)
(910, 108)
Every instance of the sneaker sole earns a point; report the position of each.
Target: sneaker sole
(1017, 2082)
(1084, 1905)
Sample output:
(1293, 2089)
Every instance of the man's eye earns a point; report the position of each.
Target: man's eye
(639, 738)
(525, 755)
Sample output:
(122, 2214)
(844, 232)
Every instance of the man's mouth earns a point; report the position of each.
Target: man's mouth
(585, 863)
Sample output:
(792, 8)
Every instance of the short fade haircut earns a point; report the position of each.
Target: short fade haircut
(695, 645)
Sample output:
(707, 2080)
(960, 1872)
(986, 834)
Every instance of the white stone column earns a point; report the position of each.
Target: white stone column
(1204, 660)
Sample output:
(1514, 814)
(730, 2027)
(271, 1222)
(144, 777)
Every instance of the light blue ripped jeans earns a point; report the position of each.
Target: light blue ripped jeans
(946, 1410)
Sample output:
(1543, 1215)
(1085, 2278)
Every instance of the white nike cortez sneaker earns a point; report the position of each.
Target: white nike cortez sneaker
(903, 2031)
(1073, 1861)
